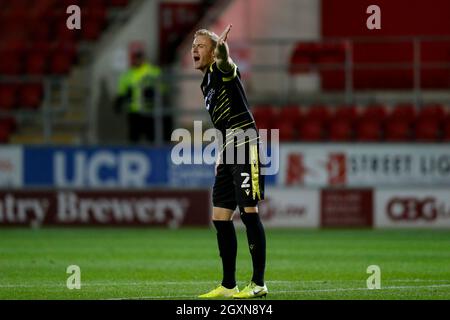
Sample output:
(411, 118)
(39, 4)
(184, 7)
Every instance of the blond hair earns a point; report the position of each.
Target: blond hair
(211, 35)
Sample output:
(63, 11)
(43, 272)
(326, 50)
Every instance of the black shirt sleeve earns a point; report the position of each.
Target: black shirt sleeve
(225, 76)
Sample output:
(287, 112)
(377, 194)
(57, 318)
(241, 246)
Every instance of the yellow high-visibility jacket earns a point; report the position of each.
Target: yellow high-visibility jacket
(139, 84)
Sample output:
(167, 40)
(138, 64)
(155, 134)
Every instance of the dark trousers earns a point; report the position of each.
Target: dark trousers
(140, 125)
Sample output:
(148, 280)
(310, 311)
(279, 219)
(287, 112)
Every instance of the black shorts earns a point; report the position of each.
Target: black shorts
(238, 185)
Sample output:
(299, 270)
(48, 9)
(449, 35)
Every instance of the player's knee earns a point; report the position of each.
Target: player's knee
(222, 214)
(248, 214)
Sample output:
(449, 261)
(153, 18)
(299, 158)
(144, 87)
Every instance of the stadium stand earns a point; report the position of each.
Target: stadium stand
(37, 44)
(380, 65)
(366, 123)
(388, 66)
(265, 116)
(340, 130)
(369, 130)
(384, 59)
(313, 125)
(32, 50)
(287, 120)
(369, 125)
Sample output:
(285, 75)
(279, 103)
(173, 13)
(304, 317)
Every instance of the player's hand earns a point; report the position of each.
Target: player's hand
(223, 37)
(221, 52)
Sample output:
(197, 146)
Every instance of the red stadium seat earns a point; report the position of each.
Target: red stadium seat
(432, 78)
(14, 28)
(376, 112)
(13, 45)
(435, 52)
(340, 130)
(263, 123)
(332, 80)
(387, 77)
(36, 64)
(91, 30)
(346, 112)
(427, 130)
(287, 131)
(4, 134)
(10, 63)
(290, 113)
(118, 3)
(60, 64)
(405, 112)
(319, 113)
(432, 111)
(312, 126)
(8, 98)
(66, 3)
(311, 130)
(303, 58)
(30, 95)
(300, 64)
(43, 5)
(369, 130)
(264, 116)
(9, 123)
(68, 48)
(400, 122)
(331, 63)
(95, 11)
(40, 31)
(333, 49)
(40, 47)
(65, 34)
(7, 126)
(446, 129)
(398, 130)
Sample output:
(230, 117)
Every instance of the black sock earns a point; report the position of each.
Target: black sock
(257, 244)
(227, 241)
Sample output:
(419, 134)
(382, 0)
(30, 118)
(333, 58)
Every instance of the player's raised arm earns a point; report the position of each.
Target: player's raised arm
(223, 60)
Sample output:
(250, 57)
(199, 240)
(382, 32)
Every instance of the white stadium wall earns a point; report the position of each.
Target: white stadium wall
(360, 185)
(364, 165)
(289, 208)
(412, 208)
(318, 185)
(379, 208)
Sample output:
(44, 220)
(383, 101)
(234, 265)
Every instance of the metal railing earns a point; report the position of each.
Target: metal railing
(49, 109)
(282, 66)
(350, 66)
(278, 66)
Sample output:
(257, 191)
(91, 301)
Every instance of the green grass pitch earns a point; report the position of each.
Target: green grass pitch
(180, 264)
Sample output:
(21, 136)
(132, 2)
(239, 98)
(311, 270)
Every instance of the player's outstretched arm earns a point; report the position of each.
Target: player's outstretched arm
(223, 60)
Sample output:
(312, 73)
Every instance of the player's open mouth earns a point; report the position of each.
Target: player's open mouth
(196, 58)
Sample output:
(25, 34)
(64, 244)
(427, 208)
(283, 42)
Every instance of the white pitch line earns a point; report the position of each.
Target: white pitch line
(162, 283)
(364, 289)
(153, 297)
(106, 283)
(296, 291)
